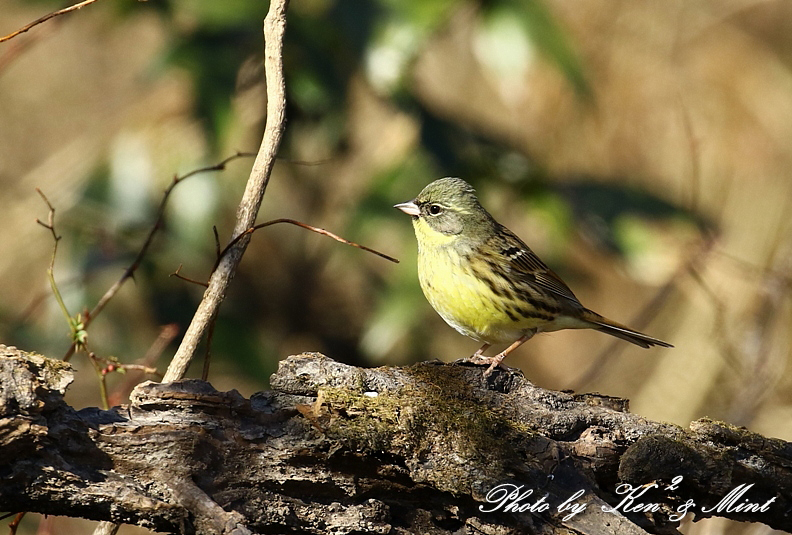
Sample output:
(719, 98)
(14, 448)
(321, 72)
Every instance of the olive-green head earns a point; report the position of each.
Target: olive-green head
(448, 206)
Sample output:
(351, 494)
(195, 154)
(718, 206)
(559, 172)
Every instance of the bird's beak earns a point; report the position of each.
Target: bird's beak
(409, 208)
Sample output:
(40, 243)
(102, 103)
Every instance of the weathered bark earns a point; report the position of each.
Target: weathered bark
(338, 449)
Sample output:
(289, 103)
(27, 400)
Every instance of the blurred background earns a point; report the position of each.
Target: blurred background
(642, 149)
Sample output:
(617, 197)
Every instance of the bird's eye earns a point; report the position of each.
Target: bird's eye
(435, 209)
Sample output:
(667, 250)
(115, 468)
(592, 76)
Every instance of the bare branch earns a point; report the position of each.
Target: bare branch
(157, 225)
(208, 353)
(129, 272)
(76, 325)
(50, 224)
(318, 230)
(144, 365)
(178, 275)
(274, 29)
(217, 243)
(15, 523)
(75, 7)
(233, 242)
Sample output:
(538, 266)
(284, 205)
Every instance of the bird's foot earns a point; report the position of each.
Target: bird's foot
(479, 359)
(493, 362)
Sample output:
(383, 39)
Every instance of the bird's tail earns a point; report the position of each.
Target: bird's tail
(618, 330)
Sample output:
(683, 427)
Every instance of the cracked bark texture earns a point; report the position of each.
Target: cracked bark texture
(338, 449)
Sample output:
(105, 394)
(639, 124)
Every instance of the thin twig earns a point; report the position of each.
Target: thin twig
(217, 243)
(157, 225)
(15, 523)
(233, 242)
(130, 367)
(221, 254)
(50, 224)
(94, 360)
(178, 275)
(130, 270)
(274, 29)
(318, 230)
(220, 166)
(208, 354)
(47, 17)
(74, 323)
(165, 337)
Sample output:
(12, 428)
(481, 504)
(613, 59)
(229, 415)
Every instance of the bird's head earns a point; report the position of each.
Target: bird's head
(447, 206)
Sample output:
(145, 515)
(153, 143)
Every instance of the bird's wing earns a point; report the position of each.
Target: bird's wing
(529, 268)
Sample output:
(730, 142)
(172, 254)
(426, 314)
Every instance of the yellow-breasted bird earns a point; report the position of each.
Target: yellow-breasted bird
(485, 282)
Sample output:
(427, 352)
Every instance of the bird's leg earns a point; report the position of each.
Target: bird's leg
(497, 359)
(478, 355)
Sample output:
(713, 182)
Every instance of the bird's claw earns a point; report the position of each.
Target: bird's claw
(493, 362)
(480, 359)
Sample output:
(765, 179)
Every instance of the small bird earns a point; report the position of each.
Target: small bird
(486, 283)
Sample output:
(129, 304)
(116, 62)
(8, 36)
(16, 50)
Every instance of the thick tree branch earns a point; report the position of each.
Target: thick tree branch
(337, 449)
